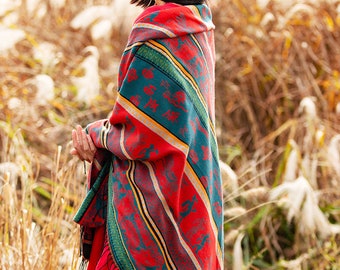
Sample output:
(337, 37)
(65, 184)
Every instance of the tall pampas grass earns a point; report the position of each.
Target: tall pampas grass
(296, 197)
(238, 254)
(32, 237)
(9, 38)
(301, 203)
(277, 107)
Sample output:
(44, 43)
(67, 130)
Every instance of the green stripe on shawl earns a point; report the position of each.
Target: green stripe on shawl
(91, 194)
(117, 245)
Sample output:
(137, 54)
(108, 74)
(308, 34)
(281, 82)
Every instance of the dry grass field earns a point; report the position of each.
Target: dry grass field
(278, 121)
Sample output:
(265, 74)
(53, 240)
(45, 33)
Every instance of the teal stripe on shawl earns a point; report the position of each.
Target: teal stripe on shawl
(92, 193)
(163, 63)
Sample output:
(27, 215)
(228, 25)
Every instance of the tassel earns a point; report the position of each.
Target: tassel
(86, 241)
(83, 264)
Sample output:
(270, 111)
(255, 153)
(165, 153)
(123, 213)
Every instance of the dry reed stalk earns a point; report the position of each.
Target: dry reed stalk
(25, 246)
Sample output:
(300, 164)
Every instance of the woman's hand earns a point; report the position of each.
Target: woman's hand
(83, 146)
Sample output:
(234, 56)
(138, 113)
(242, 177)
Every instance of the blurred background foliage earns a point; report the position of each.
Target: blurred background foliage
(277, 109)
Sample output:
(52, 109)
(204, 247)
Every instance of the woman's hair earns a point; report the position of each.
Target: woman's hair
(148, 3)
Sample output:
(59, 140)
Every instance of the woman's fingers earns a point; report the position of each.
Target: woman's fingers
(79, 133)
(83, 145)
(91, 144)
(76, 151)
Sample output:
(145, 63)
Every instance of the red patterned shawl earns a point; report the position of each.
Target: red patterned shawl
(161, 199)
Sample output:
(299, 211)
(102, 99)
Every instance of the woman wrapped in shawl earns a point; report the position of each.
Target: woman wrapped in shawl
(155, 197)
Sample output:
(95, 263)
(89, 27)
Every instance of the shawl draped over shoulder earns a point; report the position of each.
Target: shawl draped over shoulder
(155, 181)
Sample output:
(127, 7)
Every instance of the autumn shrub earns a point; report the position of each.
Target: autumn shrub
(278, 115)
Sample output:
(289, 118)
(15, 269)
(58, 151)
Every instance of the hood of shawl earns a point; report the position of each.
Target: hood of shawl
(171, 20)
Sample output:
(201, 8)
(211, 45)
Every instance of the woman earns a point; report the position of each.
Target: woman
(155, 197)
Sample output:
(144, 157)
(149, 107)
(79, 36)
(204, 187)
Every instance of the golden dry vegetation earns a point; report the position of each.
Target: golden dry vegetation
(278, 96)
